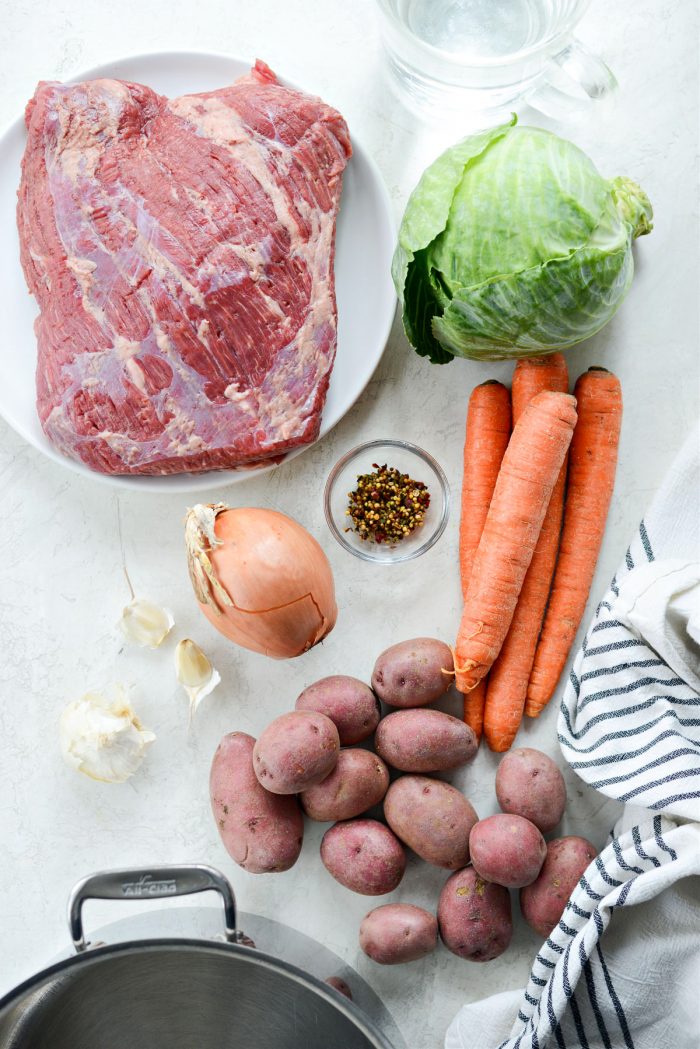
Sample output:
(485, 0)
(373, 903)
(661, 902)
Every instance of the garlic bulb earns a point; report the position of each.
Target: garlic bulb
(194, 672)
(260, 578)
(103, 737)
(145, 624)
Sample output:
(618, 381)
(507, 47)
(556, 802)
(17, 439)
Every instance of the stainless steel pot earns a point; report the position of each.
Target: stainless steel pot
(177, 993)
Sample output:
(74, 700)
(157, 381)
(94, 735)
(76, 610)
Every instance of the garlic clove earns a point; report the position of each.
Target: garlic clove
(191, 665)
(194, 672)
(102, 737)
(145, 624)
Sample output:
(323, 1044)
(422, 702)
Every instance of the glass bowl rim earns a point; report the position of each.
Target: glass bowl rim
(408, 446)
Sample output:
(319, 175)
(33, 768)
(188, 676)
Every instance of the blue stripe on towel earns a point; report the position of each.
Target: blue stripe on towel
(593, 996)
(614, 882)
(559, 1037)
(671, 778)
(568, 991)
(665, 757)
(640, 850)
(624, 893)
(645, 541)
(615, 1000)
(625, 733)
(551, 1015)
(588, 890)
(602, 671)
(580, 1031)
(660, 839)
(615, 646)
(610, 759)
(607, 624)
(578, 911)
(620, 859)
(672, 799)
(644, 682)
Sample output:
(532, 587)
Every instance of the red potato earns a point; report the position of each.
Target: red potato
(350, 704)
(413, 673)
(529, 784)
(431, 817)
(424, 741)
(364, 856)
(398, 932)
(543, 902)
(296, 751)
(359, 780)
(474, 917)
(262, 832)
(507, 850)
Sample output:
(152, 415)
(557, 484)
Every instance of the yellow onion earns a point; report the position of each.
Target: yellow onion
(260, 578)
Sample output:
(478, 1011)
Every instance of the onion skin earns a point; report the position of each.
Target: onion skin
(274, 573)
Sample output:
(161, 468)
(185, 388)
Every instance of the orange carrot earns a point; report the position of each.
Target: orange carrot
(507, 683)
(474, 704)
(591, 478)
(533, 375)
(485, 442)
(529, 470)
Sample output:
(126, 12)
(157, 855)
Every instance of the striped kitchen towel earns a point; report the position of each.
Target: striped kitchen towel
(622, 968)
(629, 722)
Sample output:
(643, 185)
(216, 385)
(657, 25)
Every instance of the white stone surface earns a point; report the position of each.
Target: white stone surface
(61, 576)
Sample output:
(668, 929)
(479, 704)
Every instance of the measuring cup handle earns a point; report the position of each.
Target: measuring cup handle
(576, 77)
(151, 883)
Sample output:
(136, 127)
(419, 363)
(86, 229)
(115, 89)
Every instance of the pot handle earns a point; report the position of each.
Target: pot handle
(152, 883)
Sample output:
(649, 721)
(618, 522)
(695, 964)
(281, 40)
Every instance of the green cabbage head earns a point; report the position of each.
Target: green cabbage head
(513, 245)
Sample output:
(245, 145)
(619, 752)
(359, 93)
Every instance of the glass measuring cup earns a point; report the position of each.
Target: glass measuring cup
(456, 55)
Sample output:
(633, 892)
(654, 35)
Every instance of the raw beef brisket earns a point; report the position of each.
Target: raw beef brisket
(181, 253)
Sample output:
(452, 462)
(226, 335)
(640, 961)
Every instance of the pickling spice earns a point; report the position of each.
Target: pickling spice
(387, 505)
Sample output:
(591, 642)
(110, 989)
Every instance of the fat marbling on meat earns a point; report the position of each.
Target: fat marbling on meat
(181, 254)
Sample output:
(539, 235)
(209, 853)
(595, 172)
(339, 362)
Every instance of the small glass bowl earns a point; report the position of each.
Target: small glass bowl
(408, 458)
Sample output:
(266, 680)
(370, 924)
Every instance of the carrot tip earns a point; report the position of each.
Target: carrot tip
(598, 368)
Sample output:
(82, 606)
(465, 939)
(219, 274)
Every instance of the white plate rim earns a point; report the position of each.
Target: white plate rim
(185, 482)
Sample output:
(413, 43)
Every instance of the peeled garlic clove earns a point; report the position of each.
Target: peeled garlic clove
(194, 672)
(103, 737)
(145, 624)
(191, 665)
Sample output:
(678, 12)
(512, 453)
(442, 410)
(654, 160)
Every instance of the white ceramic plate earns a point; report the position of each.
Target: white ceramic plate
(364, 291)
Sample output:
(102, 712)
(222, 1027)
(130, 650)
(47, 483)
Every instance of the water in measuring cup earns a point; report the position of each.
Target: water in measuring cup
(473, 29)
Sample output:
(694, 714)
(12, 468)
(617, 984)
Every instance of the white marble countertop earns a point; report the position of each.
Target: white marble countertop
(62, 580)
